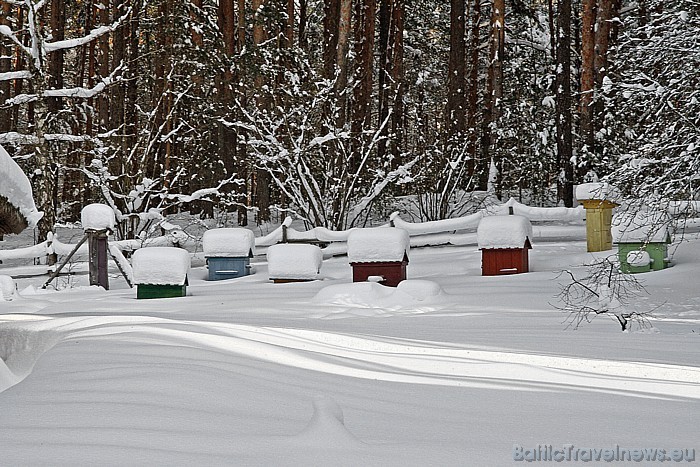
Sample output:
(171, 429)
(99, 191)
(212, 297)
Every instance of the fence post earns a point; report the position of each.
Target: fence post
(97, 248)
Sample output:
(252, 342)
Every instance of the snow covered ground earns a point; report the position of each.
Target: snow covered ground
(452, 368)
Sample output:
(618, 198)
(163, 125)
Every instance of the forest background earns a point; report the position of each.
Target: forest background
(331, 110)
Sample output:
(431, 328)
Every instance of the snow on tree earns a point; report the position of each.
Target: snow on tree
(17, 208)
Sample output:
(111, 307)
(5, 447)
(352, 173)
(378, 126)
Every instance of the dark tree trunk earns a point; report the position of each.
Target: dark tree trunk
(473, 87)
(364, 60)
(5, 66)
(456, 86)
(262, 177)
(563, 101)
(331, 20)
(588, 15)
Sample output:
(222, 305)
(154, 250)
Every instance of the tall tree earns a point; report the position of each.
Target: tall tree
(456, 71)
(5, 67)
(262, 177)
(564, 101)
(588, 22)
(364, 68)
(494, 82)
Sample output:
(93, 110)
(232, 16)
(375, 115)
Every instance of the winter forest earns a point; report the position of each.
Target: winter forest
(332, 110)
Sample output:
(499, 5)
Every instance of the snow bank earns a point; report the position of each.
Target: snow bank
(16, 188)
(8, 290)
(97, 216)
(229, 242)
(160, 266)
(641, 226)
(503, 232)
(294, 261)
(409, 293)
(598, 190)
(378, 244)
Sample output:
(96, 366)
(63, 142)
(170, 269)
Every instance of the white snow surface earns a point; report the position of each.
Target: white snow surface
(16, 188)
(228, 242)
(339, 374)
(641, 226)
(294, 261)
(503, 232)
(8, 288)
(97, 216)
(378, 244)
(598, 190)
(160, 265)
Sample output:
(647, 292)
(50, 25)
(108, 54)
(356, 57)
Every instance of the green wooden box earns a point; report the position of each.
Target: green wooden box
(160, 291)
(658, 252)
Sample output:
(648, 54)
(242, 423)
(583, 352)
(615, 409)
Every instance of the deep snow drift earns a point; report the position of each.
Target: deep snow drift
(450, 368)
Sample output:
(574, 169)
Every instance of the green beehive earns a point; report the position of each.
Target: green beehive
(642, 232)
(161, 272)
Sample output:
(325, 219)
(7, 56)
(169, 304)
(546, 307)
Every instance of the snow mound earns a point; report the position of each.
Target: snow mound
(8, 290)
(161, 265)
(228, 243)
(294, 261)
(407, 294)
(16, 188)
(327, 426)
(378, 244)
(504, 232)
(598, 190)
(638, 258)
(97, 216)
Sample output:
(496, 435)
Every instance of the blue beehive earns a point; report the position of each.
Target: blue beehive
(228, 268)
(228, 252)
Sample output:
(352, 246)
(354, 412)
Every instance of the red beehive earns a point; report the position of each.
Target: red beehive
(379, 252)
(504, 241)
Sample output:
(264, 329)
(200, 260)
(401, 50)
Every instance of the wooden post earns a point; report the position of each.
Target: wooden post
(97, 247)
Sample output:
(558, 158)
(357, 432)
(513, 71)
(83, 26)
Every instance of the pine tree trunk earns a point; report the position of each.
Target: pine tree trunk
(397, 81)
(456, 86)
(262, 177)
(587, 74)
(472, 111)
(564, 101)
(331, 20)
(364, 59)
(5, 66)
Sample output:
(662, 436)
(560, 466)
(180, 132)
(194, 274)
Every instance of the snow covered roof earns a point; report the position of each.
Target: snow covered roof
(378, 244)
(15, 187)
(598, 190)
(504, 232)
(294, 261)
(229, 242)
(97, 216)
(161, 265)
(641, 226)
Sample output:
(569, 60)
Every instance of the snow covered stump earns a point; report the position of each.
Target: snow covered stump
(598, 199)
(97, 221)
(642, 241)
(228, 252)
(379, 253)
(161, 272)
(504, 241)
(287, 262)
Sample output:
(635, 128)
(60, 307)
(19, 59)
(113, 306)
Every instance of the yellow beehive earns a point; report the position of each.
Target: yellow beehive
(596, 199)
